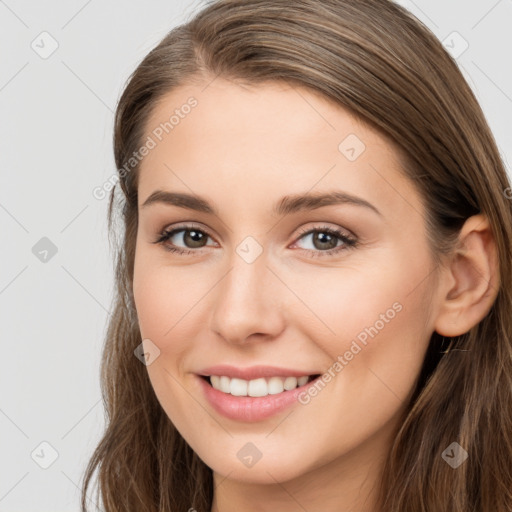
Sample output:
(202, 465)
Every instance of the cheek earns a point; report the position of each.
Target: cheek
(375, 323)
(374, 327)
(164, 299)
(359, 299)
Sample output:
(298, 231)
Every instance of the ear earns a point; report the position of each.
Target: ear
(471, 279)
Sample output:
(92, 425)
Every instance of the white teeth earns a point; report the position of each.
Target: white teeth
(224, 384)
(238, 387)
(275, 385)
(256, 387)
(302, 380)
(290, 383)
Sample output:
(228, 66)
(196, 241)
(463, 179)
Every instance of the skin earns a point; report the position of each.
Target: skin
(243, 148)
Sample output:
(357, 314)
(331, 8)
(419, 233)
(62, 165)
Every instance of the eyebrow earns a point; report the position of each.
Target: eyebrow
(285, 206)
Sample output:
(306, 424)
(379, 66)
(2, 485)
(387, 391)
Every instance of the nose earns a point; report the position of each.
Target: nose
(248, 302)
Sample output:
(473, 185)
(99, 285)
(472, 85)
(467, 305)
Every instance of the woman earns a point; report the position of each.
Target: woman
(313, 306)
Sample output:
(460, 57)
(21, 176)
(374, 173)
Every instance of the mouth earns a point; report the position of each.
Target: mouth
(256, 399)
(260, 387)
(254, 393)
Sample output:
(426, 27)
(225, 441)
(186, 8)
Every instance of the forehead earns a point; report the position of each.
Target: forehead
(266, 140)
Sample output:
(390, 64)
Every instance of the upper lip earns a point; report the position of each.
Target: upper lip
(252, 372)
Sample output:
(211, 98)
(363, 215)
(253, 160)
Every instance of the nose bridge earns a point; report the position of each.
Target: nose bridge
(246, 301)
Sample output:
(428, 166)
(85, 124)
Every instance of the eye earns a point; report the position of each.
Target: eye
(325, 241)
(191, 236)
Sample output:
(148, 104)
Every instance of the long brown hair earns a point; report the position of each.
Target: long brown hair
(378, 61)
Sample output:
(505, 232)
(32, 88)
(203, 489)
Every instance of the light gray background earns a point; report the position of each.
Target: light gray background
(55, 147)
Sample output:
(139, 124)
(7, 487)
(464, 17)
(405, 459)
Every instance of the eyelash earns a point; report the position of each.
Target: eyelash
(349, 242)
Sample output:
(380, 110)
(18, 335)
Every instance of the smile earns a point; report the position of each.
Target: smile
(252, 394)
(257, 387)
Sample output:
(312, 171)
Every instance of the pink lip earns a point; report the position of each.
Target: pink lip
(253, 372)
(248, 408)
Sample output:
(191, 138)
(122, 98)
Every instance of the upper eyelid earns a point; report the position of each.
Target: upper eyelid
(302, 231)
(186, 228)
(339, 230)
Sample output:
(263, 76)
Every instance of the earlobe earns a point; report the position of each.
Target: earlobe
(473, 277)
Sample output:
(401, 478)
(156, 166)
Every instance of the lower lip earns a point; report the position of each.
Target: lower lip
(248, 408)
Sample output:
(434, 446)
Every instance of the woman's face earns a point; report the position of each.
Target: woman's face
(304, 254)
